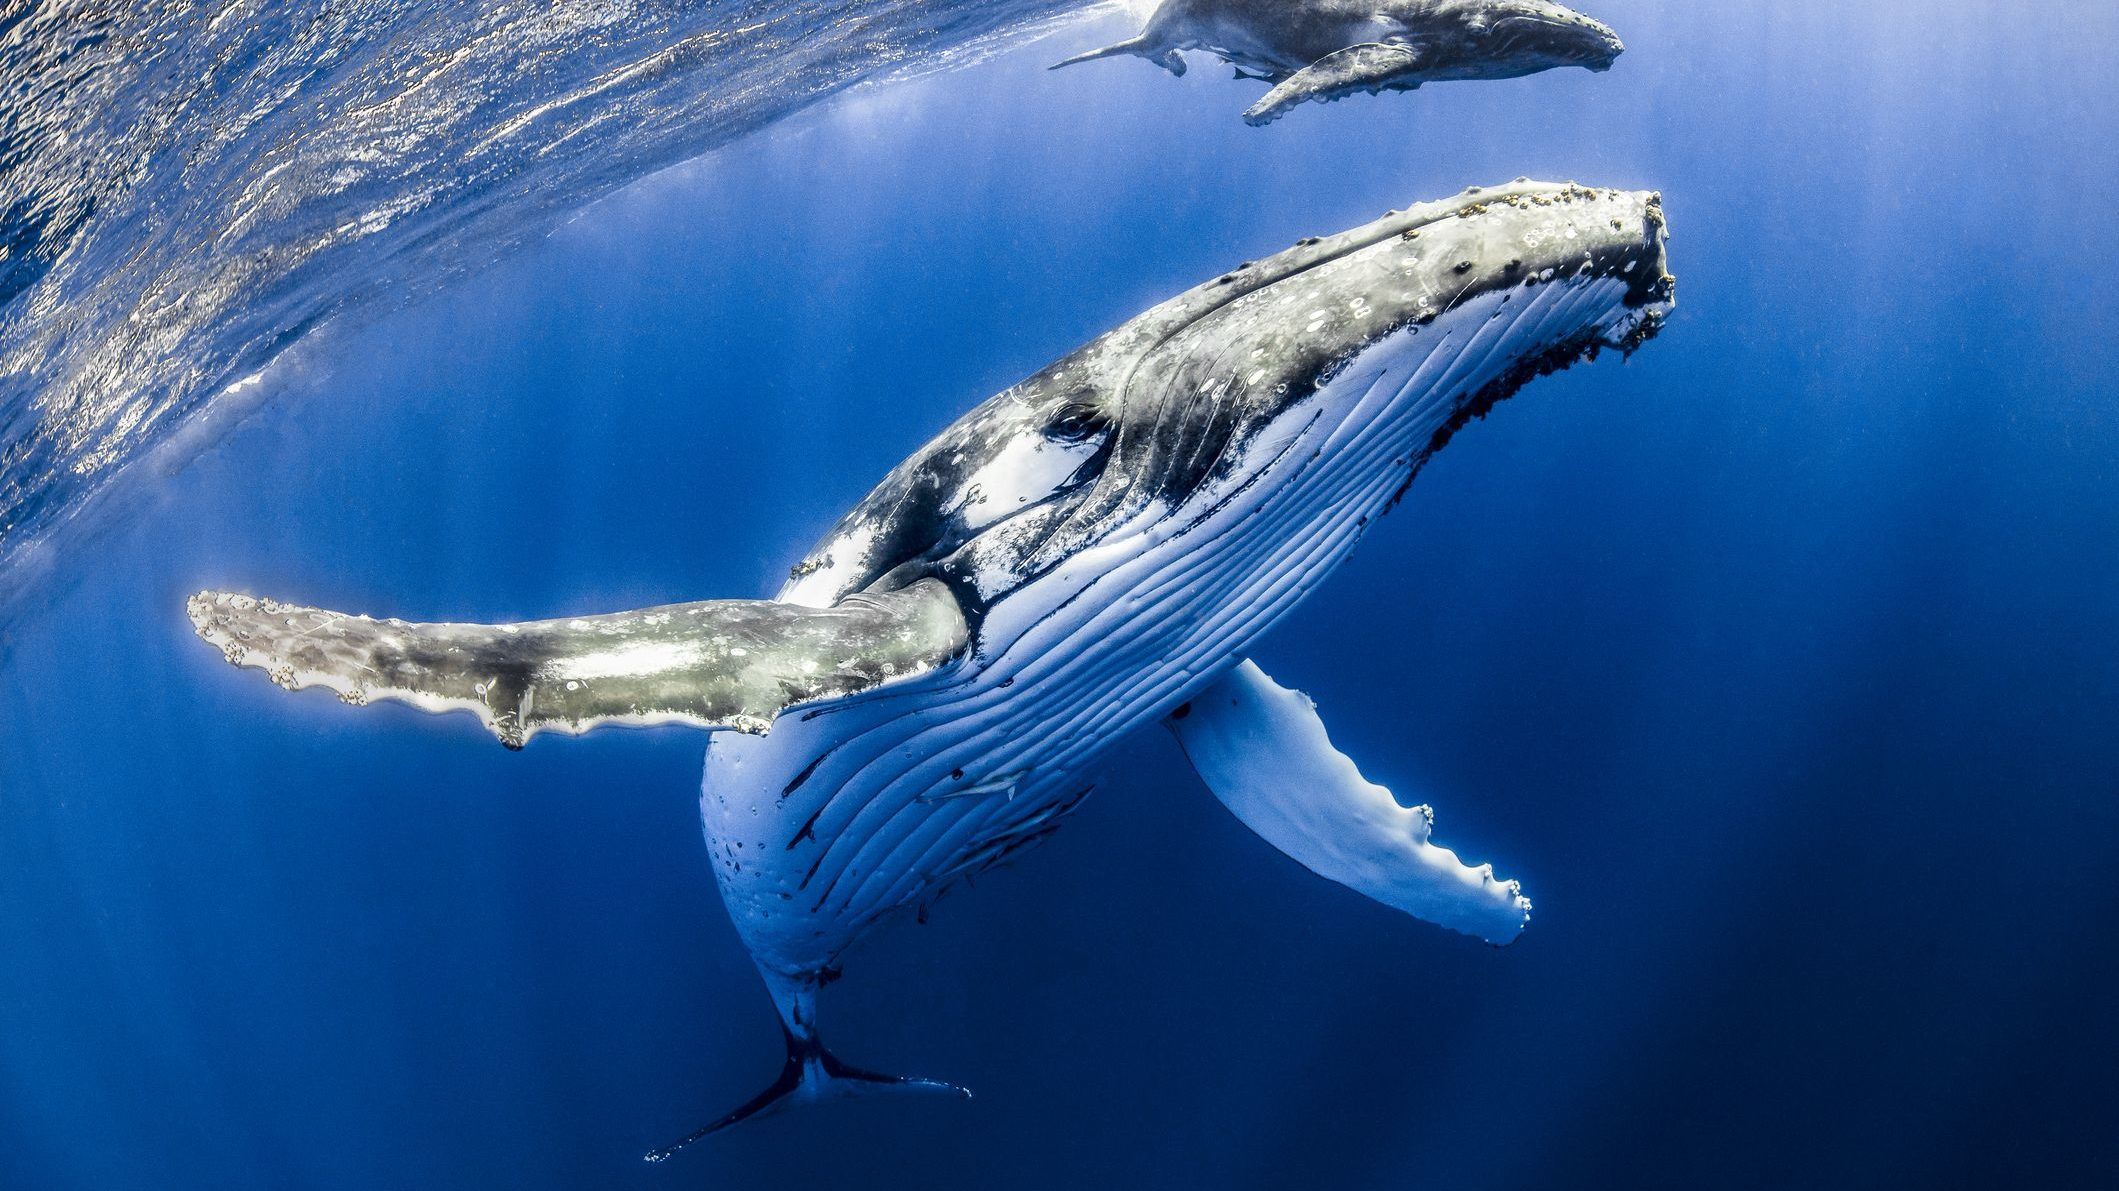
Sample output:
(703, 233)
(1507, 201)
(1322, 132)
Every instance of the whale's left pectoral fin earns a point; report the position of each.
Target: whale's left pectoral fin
(1371, 66)
(714, 664)
(1264, 753)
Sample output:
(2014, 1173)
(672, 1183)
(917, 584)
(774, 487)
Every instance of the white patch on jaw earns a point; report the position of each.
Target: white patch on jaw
(820, 588)
(1029, 468)
(1025, 471)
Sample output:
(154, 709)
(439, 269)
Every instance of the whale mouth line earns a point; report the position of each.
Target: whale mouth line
(1562, 38)
(1583, 348)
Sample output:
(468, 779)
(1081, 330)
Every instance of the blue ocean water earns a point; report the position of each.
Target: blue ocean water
(1779, 662)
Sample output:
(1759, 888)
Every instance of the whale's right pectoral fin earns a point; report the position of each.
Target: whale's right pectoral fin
(1371, 66)
(715, 664)
(1264, 753)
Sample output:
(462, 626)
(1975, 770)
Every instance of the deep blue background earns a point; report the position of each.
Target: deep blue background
(1780, 663)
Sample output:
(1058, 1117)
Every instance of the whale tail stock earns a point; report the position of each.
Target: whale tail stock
(1169, 60)
(811, 1073)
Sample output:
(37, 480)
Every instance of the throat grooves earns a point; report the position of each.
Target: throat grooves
(1163, 611)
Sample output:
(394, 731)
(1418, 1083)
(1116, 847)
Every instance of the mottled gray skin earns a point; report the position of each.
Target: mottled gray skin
(1324, 50)
(1127, 407)
(1075, 558)
(715, 663)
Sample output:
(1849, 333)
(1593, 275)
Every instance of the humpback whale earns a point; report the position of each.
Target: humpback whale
(1328, 49)
(1091, 551)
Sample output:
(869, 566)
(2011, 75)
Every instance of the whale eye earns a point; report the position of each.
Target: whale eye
(1075, 422)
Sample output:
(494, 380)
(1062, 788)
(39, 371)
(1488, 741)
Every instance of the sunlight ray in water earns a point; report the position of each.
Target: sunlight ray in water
(189, 188)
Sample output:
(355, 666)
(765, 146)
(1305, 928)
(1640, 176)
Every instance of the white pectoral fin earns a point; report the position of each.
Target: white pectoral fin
(715, 664)
(1370, 66)
(1264, 752)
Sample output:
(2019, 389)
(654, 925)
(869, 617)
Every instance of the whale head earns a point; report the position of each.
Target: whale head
(1311, 385)
(1518, 37)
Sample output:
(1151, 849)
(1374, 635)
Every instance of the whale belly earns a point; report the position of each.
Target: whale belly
(849, 811)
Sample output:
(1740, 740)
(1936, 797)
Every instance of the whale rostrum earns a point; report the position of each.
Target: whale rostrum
(1091, 551)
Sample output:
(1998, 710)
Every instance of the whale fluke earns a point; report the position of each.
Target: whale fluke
(713, 664)
(811, 1075)
(1168, 59)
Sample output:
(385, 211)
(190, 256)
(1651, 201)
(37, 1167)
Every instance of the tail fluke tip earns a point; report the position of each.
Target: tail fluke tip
(811, 1076)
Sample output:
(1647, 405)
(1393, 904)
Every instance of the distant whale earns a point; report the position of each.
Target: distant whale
(1329, 49)
(1088, 552)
